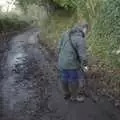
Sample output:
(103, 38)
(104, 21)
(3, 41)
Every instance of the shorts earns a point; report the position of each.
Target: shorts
(71, 75)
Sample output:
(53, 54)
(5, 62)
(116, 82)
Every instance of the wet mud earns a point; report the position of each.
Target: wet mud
(29, 85)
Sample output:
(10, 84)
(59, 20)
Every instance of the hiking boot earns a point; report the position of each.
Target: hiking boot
(78, 99)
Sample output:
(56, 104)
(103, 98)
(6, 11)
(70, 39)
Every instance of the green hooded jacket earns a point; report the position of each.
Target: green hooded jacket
(67, 58)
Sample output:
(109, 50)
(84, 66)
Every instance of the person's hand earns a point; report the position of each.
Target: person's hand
(85, 68)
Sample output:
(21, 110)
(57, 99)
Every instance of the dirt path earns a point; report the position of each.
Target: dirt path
(29, 86)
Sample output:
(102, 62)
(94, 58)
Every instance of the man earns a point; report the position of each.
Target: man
(72, 61)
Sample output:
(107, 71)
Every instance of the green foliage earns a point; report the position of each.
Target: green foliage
(68, 4)
(12, 22)
(88, 9)
(25, 3)
(56, 25)
(105, 37)
(38, 14)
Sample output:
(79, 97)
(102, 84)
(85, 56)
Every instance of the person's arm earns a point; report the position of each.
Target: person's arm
(81, 48)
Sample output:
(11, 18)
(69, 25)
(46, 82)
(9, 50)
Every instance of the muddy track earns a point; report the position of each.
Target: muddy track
(29, 89)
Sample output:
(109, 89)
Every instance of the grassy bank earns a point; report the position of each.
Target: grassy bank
(103, 79)
(58, 23)
(12, 22)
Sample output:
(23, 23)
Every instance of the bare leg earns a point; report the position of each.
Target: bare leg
(66, 90)
(81, 86)
(73, 86)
